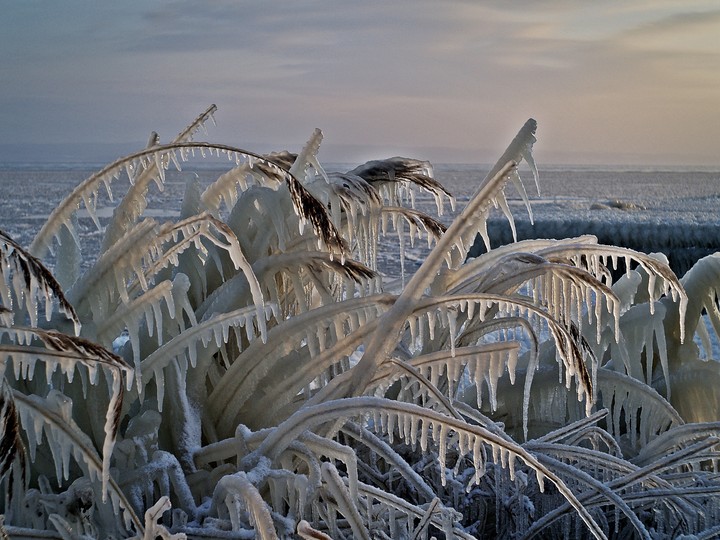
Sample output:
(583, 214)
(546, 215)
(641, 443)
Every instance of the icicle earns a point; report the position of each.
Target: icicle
(501, 201)
(424, 427)
(408, 425)
(463, 443)
(627, 265)
(376, 421)
(510, 464)
(497, 453)
(567, 294)
(442, 451)
(390, 428)
(219, 336)
(93, 373)
(129, 170)
(413, 433)
(90, 207)
(431, 324)
(160, 385)
(451, 315)
(651, 291)
(512, 364)
(50, 368)
(413, 323)
(106, 183)
(478, 461)
(475, 369)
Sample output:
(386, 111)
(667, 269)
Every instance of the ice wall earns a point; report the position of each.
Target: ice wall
(683, 243)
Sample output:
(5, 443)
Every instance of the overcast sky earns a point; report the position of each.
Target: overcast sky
(608, 81)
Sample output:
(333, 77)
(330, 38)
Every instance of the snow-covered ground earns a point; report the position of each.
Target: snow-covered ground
(674, 210)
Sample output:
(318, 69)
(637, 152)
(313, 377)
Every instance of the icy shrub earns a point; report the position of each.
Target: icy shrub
(268, 381)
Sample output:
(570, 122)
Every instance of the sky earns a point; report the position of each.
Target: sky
(609, 82)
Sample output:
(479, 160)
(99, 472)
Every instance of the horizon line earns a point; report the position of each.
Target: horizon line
(98, 153)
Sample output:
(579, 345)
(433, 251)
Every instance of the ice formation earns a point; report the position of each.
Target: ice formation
(269, 382)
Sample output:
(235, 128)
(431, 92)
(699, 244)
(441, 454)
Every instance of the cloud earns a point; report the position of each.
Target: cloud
(455, 74)
(689, 33)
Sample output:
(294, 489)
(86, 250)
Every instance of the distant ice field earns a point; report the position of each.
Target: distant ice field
(673, 210)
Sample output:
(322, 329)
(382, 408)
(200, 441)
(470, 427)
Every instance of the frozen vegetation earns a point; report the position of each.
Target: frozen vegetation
(260, 364)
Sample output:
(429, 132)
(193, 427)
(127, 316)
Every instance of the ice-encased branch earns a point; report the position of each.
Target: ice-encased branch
(418, 424)
(454, 239)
